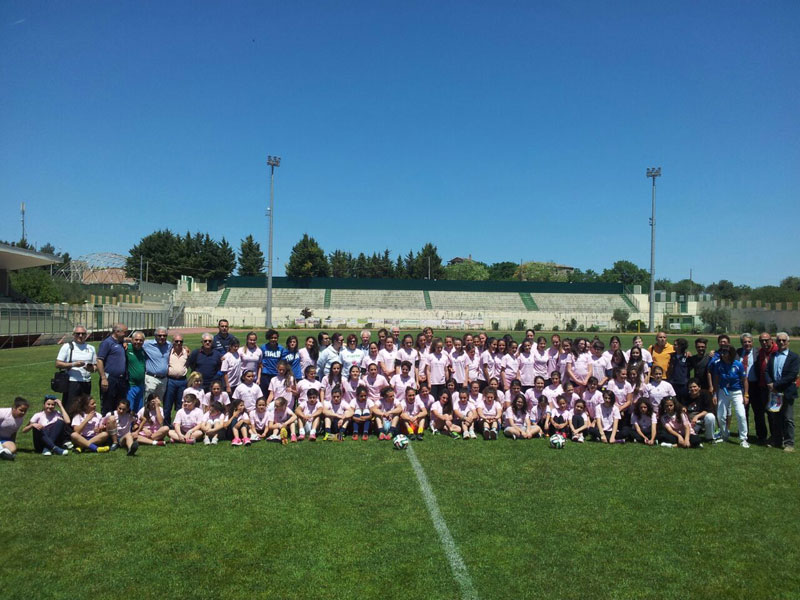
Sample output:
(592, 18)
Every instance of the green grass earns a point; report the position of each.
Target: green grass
(348, 520)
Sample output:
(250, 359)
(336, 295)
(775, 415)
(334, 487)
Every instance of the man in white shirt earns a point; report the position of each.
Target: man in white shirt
(80, 358)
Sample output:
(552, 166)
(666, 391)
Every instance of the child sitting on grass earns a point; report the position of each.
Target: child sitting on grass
(281, 421)
(118, 426)
(213, 423)
(88, 431)
(187, 425)
(238, 424)
(10, 422)
(152, 430)
(50, 435)
(308, 414)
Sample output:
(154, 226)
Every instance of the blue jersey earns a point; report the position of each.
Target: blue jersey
(730, 375)
(270, 358)
(293, 358)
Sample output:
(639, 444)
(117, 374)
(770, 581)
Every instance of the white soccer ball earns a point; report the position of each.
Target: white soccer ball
(401, 442)
(557, 442)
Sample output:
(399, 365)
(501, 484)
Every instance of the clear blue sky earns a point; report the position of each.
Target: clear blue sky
(504, 130)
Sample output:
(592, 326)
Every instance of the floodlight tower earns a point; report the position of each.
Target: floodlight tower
(272, 162)
(653, 172)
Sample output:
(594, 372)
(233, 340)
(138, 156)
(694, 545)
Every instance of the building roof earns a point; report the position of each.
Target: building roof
(13, 258)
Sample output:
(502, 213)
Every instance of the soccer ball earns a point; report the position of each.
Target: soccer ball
(557, 442)
(401, 442)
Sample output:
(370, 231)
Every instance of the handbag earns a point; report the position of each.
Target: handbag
(60, 381)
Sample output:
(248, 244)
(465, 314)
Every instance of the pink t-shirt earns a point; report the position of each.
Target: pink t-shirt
(562, 361)
(197, 391)
(643, 421)
(565, 414)
(386, 361)
(123, 422)
(436, 411)
(259, 419)
(88, 431)
(552, 361)
(308, 408)
(486, 361)
(328, 383)
(491, 410)
(537, 412)
(607, 416)
(510, 366)
(679, 423)
(526, 368)
(386, 405)
(513, 419)
(223, 399)
(370, 360)
(437, 365)
(656, 393)
(415, 408)
(540, 363)
(532, 397)
(279, 415)
(620, 390)
(362, 408)
(411, 356)
(581, 365)
(349, 389)
(302, 389)
(374, 386)
(249, 394)
(213, 420)
(552, 393)
(427, 400)
(460, 363)
(305, 360)
(152, 416)
(400, 383)
(599, 365)
(278, 386)
(474, 365)
(187, 420)
(464, 409)
(44, 418)
(338, 409)
(592, 400)
(232, 367)
(251, 359)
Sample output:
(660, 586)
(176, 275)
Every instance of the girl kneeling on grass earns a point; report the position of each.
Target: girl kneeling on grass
(412, 415)
(187, 424)
(362, 412)
(237, 425)
(50, 428)
(677, 429)
(517, 419)
(607, 423)
(337, 413)
(152, 430)
(281, 421)
(387, 413)
(88, 432)
(580, 422)
(309, 412)
(119, 425)
(442, 418)
(489, 413)
(213, 424)
(643, 422)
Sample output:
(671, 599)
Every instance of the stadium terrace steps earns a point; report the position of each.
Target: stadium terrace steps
(197, 299)
(281, 298)
(327, 299)
(225, 293)
(528, 301)
(629, 302)
(427, 297)
(579, 303)
(378, 299)
(477, 301)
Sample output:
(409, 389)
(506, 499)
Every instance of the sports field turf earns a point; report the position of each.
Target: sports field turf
(349, 520)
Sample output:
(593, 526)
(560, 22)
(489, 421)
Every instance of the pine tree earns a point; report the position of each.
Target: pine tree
(251, 258)
(307, 259)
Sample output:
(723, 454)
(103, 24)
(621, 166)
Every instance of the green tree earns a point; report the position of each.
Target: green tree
(502, 271)
(48, 248)
(588, 276)
(791, 283)
(170, 256)
(428, 263)
(626, 273)
(340, 263)
(538, 271)
(400, 269)
(724, 290)
(35, 284)
(251, 258)
(307, 259)
(361, 266)
(718, 320)
(469, 270)
(621, 316)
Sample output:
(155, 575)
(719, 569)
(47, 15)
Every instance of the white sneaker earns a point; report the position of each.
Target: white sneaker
(275, 437)
(745, 444)
(472, 435)
(215, 440)
(255, 437)
(667, 445)
(68, 445)
(46, 452)
(466, 435)
(207, 441)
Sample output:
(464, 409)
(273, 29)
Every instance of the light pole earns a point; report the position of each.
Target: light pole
(653, 172)
(272, 162)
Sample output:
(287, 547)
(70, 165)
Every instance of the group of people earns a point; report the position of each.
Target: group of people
(462, 387)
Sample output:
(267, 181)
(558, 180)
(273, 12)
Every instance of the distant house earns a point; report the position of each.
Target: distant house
(458, 260)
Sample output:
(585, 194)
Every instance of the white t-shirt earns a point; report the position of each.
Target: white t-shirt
(9, 424)
(81, 352)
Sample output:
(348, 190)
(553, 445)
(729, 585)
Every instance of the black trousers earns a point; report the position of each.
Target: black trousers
(75, 389)
(759, 398)
(54, 434)
(668, 438)
(117, 389)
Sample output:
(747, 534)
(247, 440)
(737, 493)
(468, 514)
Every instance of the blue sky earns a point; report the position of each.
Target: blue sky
(504, 130)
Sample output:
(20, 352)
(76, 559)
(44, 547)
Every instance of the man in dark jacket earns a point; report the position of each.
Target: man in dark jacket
(781, 374)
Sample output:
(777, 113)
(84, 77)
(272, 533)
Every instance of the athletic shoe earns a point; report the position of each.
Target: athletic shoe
(327, 437)
(472, 435)
(60, 451)
(312, 437)
(103, 448)
(163, 443)
(78, 449)
(236, 442)
(420, 437)
(190, 440)
(68, 445)
(466, 435)
(718, 439)
(486, 434)
(381, 437)
(6, 454)
(283, 438)
(294, 438)
(745, 444)
(255, 437)
(134, 447)
(207, 441)
(113, 447)
(215, 440)
(435, 432)
(788, 449)
(246, 441)
(667, 445)
(580, 438)
(494, 434)
(340, 436)
(46, 452)
(699, 445)
(454, 435)
(365, 437)
(274, 437)
(302, 435)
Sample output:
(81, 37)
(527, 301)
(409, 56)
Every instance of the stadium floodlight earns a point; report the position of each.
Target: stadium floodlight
(653, 172)
(272, 162)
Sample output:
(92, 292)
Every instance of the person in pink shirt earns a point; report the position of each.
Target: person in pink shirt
(403, 380)
(386, 412)
(636, 361)
(490, 411)
(88, 431)
(150, 428)
(413, 412)
(473, 361)
(119, 425)
(509, 370)
(541, 358)
(598, 364)
(560, 418)
(309, 414)
(362, 410)
(497, 359)
(337, 413)
(49, 432)
(248, 391)
(422, 350)
(526, 367)
(487, 362)
(565, 356)
(250, 354)
(187, 424)
(374, 383)
(259, 419)
(194, 385)
(371, 358)
(449, 345)
(621, 389)
(676, 428)
(231, 366)
(592, 397)
(283, 384)
(237, 424)
(580, 422)
(425, 395)
(213, 424)
(533, 395)
(309, 354)
(442, 417)
(553, 352)
(514, 388)
(10, 424)
(607, 424)
(387, 358)
(643, 423)
(569, 394)
(459, 362)
(282, 420)
(639, 387)
(554, 390)
(475, 395)
(350, 385)
(439, 365)
(215, 393)
(538, 414)
(658, 389)
(578, 365)
(465, 411)
(309, 382)
(332, 379)
(517, 419)
(494, 383)
(407, 352)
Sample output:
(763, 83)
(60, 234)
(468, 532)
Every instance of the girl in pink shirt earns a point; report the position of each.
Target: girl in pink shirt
(554, 390)
(560, 418)
(676, 428)
(350, 384)
(564, 357)
(439, 366)
(460, 363)
(473, 361)
(592, 397)
(259, 419)
(151, 429)
(387, 358)
(487, 362)
(332, 379)
(643, 423)
(309, 354)
(231, 367)
(238, 424)
(526, 369)
(282, 421)
(569, 394)
(517, 419)
(217, 394)
(283, 384)
(490, 412)
(337, 413)
(580, 422)
(413, 413)
(119, 426)
(362, 410)
(607, 423)
(403, 380)
(621, 389)
(658, 389)
(541, 358)
(248, 391)
(421, 347)
(509, 370)
(194, 385)
(309, 382)
(374, 383)
(408, 353)
(187, 424)
(533, 395)
(49, 432)
(250, 355)
(213, 423)
(465, 411)
(309, 413)
(442, 418)
(88, 431)
(371, 358)
(387, 413)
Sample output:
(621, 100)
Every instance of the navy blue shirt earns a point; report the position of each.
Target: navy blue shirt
(221, 344)
(206, 364)
(293, 358)
(270, 358)
(112, 353)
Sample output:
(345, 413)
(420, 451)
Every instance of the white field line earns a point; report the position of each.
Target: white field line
(22, 366)
(457, 565)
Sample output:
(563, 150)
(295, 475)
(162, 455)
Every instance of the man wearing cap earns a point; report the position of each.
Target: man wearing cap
(80, 358)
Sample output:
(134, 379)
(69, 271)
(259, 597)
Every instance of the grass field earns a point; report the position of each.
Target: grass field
(349, 520)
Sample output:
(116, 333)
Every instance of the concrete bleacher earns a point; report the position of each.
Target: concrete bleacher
(281, 297)
(197, 299)
(377, 299)
(477, 301)
(580, 303)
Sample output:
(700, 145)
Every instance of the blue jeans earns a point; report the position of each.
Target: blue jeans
(173, 398)
(135, 397)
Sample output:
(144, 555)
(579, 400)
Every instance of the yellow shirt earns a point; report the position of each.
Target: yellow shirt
(661, 357)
